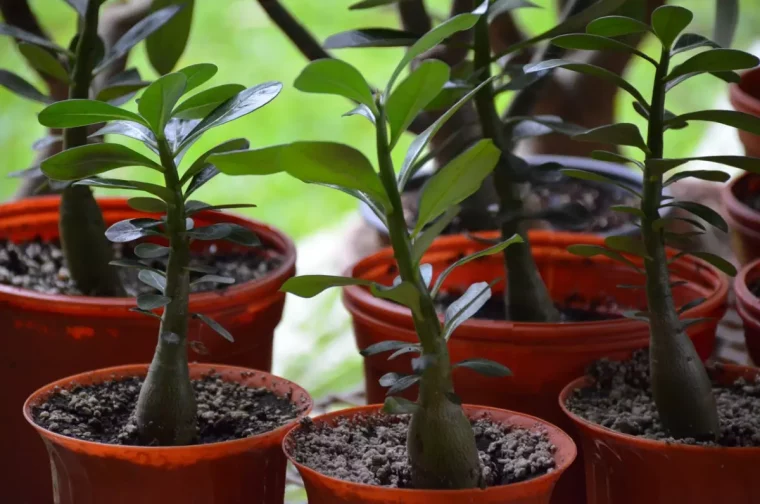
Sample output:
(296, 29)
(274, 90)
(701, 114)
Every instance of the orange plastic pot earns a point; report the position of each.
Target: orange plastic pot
(748, 307)
(542, 357)
(250, 470)
(323, 489)
(44, 337)
(623, 469)
(743, 221)
(745, 97)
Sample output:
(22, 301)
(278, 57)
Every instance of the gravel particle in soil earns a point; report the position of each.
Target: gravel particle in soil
(103, 413)
(621, 400)
(372, 450)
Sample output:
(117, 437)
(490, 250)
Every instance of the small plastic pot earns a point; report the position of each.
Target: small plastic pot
(748, 307)
(623, 469)
(323, 489)
(45, 337)
(250, 470)
(745, 97)
(743, 221)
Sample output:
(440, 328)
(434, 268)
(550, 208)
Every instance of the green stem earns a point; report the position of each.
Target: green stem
(166, 409)
(526, 297)
(81, 224)
(440, 442)
(680, 385)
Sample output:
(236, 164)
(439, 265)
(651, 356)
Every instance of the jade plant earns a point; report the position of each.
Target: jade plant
(680, 385)
(441, 443)
(166, 409)
(89, 69)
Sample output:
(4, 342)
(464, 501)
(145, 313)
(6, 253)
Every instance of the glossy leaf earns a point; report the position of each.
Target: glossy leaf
(307, 286)
(663, 222)
(153, 279)
(668, 21)
(613, 157)
(499, 7)
(76, 113)
(151, 251)
(629, 210)
(595, 250)
(42, 60)
(730, 77)
(627, 244)
(158, 100)
(117, 94)
(132, 185)
(203, 103)
(616, 26)
(368, 4)
(371, 37)
(217, 279)
(403, 383)
(466, 307)
(236, 144)
(690, 41)
(225, 231)
(588, 42)
(616, 134)
(543, 124)
(198, 74)
(362, 110)
(405, 350)
(709, 175)
(399, 406)
(750, 164)
(166, 45)
(25, 36)
(21, 87)
(426, 237)
(703, 212)
(132, 229)
(149, 205)
(149, 302)
(335, 77)
(193, 207)
(131, 130)
(384, 346)
(485, 367)
(733, 118)
(88, 160)
(207, 172)
(215, 326)
(717, 261)
(714, 60)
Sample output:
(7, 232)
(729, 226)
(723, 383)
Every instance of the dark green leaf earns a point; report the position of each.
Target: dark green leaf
(616, 26)
(663, 222)
(236, 144)
(733, 118)
(25, 36)
(528, 126)
(132, 229)
(499, 7)
(405, 350)
(627, 244)
(384, 346)
(88, 160)
(335, 77)
(686, 323)
(308, 286)
(714, 60)
(148, 302)
(166, 45)
(710, 175)
(75, 113)
(158, 100)
(151, 251)
(598, 177)
(689, 41)
(613, 157)
(485, 367)
(403, 383)
(198, 74)
(133, 185)
(629, 210)
(750, 164)
(368, 4)
(703, 212)
(193, 207)
(399, 406)
(133, 264)
(588, 42)
(426, 237)
(691, 304)
(616, 134)
(225, 231)
(466, 307)
(595, 250)
(130, 130)
(717, 261)
(215, 326)
(207, 173)
(668, 21)
(636, 315)
(726, 19)
(42, 60)
(361, 110)
(371, 37)
(16, 84)
(145, 312)
(203, 103)
(115, 94)
(153, 279)
(213, 279)
(730, 77)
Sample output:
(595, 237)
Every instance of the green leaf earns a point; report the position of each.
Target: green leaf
(336, 77)
(690, 41)
(500, 7)
(236, 144)
(616, 26)
(368, 4)
(750, 164)
(234, 233)
(21, 87)
(413, 95)
(399, 406)
(213, 279)
(193, 207)
(662, 223)
(629, 210)
(307, 286)
(588, 42)
(733, 118)
(423, 139)
(153, 279)
(613, 157)
(426, 237)
(149, 302)
(616, 134)
(198, 74)
(166, 45)
(88, 160)
(132, 185)
(709, 175)
(402, 383)
(717, 261)
(405, 350)
(598, 177)
(158, 100)
(714, 60)
(404, 293)
(149, 205)
(587, 69)
(668, 21)
(456, 181)
(215, 326)
(627, 244)
(42, 60)
(151, 251)
(203, 103)
(431, 39)
(76, 113)
(25, 36)
(130, 130)
(361, 110)
(371, 37)
(384, 346)
(595, 250)
(119, 91)
(208, 172)
(528, 126)
(726, 19)
(466, 307)
(703, 212)
(132, 229)
(485, 367)
(141, 30)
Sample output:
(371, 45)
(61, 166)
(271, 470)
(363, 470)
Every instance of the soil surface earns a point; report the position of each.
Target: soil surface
(621, 399)
(39, 266)
(104, 412)
(372, 450)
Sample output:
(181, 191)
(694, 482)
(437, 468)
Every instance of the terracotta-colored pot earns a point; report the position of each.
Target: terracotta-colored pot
(45, 337)
(745, 97)
(623, 469)
(748, 307)
(743, 221)
(542, 357)
(323, 489)
(250, 470)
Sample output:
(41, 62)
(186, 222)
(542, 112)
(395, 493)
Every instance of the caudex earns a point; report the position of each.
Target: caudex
(440, 442)
(166, 409)
(681, 387)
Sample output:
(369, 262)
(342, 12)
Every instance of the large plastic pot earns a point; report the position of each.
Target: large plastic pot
(542, 357)
(745, 97)
(623, 469)
(250, 470)
(743, 221)
(45, 337)
(748, 307)
(323, 489)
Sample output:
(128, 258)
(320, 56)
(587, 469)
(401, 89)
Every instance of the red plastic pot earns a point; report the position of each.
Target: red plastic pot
(542, 357)
(748, 307)
(743, 221)
(250, 470)
(45, 337)
(323, 489)
(745, 97)
(623, 469)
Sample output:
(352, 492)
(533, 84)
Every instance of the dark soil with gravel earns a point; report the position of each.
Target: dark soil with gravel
(621, 400)
(39, 266)
(104, 412)
(372, 450)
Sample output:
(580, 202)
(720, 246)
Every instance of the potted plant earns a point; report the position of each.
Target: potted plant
(674, 435)
(169, 430)
(435, 443)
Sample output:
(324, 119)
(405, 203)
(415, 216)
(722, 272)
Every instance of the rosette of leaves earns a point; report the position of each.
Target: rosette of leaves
(680, 385)
(78, 66)
(441, 444)
(168, 127)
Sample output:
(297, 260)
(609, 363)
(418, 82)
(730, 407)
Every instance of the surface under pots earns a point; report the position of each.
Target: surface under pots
(310, 445)
(634, 469)
(246, 465)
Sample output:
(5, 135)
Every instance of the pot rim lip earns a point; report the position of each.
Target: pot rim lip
(737, 208)
(359, 297)
(743, 294)
(739, 97)
(585, 381)
(136, 369)
(265, 283)
(373, 408)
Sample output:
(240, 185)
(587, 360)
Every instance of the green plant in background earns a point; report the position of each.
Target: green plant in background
(78, 67)
(441, 442)
(680, 385)
(166, 408)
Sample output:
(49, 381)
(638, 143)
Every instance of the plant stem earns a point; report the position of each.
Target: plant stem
(680, 385)
(440, 442)
(166, 409)
(81, 225)
(526, 297)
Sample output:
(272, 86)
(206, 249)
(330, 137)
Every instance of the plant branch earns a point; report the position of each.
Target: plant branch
(294, 30)
(414, 16)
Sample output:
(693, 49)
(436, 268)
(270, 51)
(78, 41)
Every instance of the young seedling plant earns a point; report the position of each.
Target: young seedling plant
(81, 224)
(166, 407)
(680, 385)
(441, 443)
